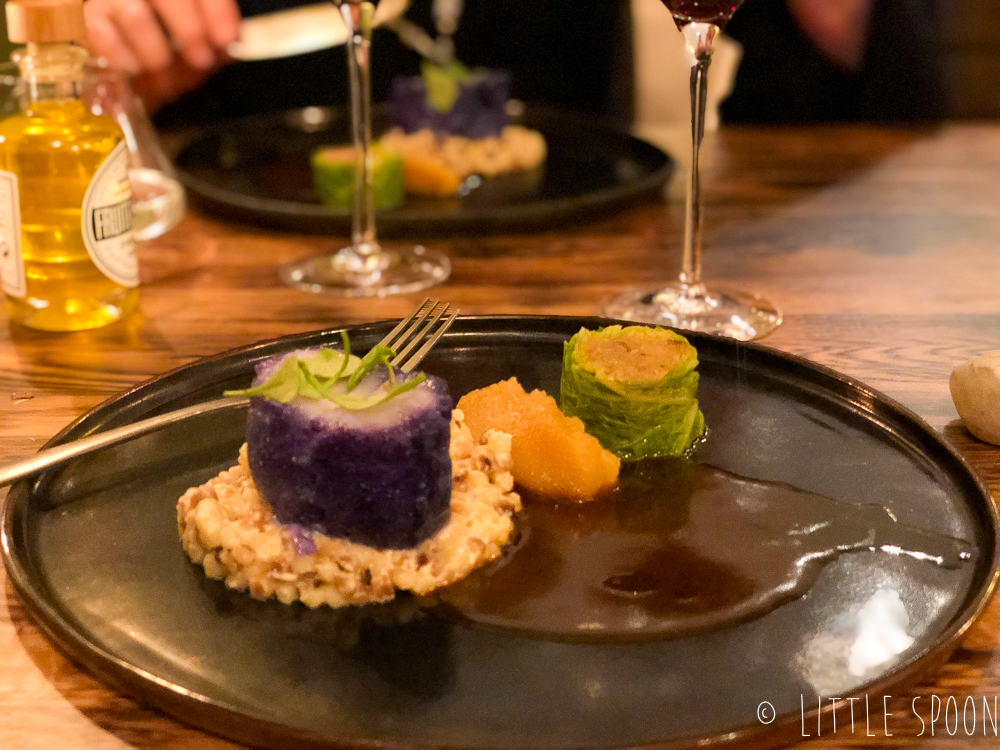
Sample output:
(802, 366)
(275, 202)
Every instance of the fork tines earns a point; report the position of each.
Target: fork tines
(420, 330)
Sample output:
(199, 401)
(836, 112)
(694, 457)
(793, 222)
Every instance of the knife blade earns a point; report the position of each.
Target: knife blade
(297, 31)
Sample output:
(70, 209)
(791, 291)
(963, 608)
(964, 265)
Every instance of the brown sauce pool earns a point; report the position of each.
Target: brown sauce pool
(678, 547)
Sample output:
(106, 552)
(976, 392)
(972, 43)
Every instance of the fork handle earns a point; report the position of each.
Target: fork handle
(49, 457)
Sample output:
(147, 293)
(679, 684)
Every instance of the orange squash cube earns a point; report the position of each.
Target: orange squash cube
(553, 456)
(425, 174)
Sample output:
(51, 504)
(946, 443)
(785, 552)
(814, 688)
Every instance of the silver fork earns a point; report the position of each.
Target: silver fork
(420, 330)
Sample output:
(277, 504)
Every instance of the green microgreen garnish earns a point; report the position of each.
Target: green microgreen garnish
(378, 355)
(347, 354)
(407, 385)
(365, 402)
(282, 385)
(443, 83)
(331, 375)
(310, 384)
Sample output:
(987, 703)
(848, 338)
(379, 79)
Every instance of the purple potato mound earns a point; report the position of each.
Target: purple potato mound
(477, 113)
(379, 477)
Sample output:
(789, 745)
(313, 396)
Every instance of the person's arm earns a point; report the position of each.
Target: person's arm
(171, 46)
(838, 28)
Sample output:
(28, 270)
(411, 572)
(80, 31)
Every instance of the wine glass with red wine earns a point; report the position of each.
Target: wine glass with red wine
(688, 303)
(365, 268)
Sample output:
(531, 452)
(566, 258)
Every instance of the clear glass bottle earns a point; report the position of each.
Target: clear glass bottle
(68, 254)
(157, 196)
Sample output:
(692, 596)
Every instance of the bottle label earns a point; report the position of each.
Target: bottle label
(11, 260)
(107, 219)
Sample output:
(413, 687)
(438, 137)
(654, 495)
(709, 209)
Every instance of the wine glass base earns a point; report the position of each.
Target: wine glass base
(730, 313)
(348, 274)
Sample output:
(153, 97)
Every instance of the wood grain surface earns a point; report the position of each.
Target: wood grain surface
(881, 246)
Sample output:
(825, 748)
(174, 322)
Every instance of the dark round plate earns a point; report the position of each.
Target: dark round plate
(257, 170)
(93, 550)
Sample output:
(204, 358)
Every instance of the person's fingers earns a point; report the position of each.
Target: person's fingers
(156, 88)
(104, 39)
(184, 23)
(222, 19)
(839, 28)
(137, 24)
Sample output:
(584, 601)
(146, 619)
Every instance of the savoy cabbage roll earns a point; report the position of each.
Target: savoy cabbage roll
(635, 390)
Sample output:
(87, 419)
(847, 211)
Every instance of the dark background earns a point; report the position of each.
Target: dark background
(968, 43)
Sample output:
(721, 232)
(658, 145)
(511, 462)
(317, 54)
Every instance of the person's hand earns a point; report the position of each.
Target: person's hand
(171, 46)
(839, 28)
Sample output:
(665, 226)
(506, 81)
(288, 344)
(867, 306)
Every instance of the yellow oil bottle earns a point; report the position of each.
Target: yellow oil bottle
(67, 256)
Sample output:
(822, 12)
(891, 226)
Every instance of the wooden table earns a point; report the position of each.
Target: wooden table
(882, 247)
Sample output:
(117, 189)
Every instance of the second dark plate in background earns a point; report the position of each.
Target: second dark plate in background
(256, 170)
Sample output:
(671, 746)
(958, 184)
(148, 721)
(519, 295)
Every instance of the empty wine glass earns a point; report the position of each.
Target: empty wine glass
(157, 196)
(365, 268)
(688, 303)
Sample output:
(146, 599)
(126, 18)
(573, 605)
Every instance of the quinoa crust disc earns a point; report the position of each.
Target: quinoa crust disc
(228, 529)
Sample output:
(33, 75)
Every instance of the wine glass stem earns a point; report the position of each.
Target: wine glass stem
(699, 38)
(358, 18)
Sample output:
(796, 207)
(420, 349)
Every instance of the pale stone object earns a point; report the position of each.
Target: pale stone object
(975, 389)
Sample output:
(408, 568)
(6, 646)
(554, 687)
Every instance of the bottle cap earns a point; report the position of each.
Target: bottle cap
(45, 21)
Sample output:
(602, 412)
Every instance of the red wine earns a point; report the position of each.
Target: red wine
(702, 11)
